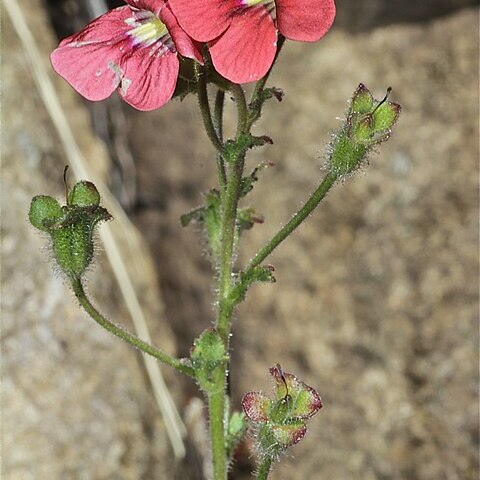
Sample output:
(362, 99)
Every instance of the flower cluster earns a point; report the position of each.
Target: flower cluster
(281, 422)
(135, 49)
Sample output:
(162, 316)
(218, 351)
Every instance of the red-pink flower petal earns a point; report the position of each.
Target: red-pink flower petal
(154, 6)
(245, 52)
(105, 28)
(256, 406)
(149, 78)
(305, 20)
(89, 69)
(184, 45)
(204, 20)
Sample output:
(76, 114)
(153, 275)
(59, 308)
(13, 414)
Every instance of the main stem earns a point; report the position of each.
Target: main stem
(230, 177)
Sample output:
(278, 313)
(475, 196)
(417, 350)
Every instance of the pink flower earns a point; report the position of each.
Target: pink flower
(133, 49)
(243, 33)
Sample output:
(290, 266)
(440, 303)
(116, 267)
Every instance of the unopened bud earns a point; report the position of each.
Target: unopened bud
(70, 227)
(369, 122)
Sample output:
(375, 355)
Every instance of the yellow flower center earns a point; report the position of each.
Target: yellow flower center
(147, 29)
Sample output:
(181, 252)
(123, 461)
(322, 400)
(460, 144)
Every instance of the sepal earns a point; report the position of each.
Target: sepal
(207, 358)
(280, 421)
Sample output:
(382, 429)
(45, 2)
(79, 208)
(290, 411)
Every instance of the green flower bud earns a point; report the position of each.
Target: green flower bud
(71, 227)
(369, 122)
(84, 194)
(44, 211)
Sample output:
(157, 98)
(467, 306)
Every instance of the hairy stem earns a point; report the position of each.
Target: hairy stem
(205, 109)
(218, 124)
(264, 468)
(229, 218)
(124, 334)
(242, 110)
(216, 409)
(310, 205)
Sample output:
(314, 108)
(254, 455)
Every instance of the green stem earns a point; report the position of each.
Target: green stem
(242, 110)
(229, 218)
(216, 409)
(124, 334)
(310, 205)
(264, 468)
(230, 200)
(218, 124)
(205, 109)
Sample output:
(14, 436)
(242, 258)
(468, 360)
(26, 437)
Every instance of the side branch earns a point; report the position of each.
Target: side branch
(310, 205)
(124, 334)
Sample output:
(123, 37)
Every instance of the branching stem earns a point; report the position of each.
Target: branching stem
(315, 198)
(205, 109)
(124, 334)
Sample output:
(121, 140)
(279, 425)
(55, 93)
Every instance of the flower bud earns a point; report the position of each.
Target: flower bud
(84, 194)
(369, 122)
(44, 211)
(70, 227)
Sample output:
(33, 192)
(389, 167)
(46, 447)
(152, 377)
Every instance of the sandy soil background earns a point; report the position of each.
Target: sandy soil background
(376, 300)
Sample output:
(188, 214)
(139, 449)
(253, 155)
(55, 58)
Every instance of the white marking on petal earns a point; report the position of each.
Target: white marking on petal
(115, 68)
(124, 86)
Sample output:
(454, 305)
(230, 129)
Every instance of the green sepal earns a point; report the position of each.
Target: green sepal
(207, 358)
(186, 82)
(369, 122)
(362, 100)
(72, 238)
(385, 116)
(346, 154)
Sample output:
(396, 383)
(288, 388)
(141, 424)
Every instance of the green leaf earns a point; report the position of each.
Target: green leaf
(244, 281)
(237, 426)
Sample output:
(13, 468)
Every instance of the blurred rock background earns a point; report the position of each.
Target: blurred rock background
(376, 300)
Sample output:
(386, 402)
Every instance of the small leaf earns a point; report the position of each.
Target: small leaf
(237, 427)
(245, 280)
(249, 182)
(194, 216)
